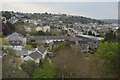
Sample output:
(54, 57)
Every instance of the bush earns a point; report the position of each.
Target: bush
(10, 51)
(61, 46)
(47, 71)
(29, 67)
(28, 46)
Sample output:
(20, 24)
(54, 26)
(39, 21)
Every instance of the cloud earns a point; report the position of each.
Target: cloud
(87, 9)
(25, 7)
(59, 0)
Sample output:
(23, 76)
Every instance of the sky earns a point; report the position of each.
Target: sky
(107, 9)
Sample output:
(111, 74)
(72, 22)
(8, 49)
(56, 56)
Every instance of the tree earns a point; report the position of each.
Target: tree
(5, 29)
(20, 28)
(6, 14)
(46, 71)
(28, 46)
(70, 63)
(4, 41)
(29, 67)
(61, 46)
(89, 33)
(11, 26)
(106, 62)
(33, 30)
(10, 51)
(10, 69)
(41, 33)
(110, 36)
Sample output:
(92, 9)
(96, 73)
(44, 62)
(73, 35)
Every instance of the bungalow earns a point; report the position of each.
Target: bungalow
(56, 31)
(16, 41)
(34, 54)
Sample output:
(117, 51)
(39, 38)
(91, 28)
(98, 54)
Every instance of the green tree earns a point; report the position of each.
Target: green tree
(6, 14)
(12, 27)
(89, 33)
(47, 71)
(10, 69)
(110, 36)
(61, 46)
(4, 41)
(106, 59)
(29, 67)
(28, 46)
(10, 51)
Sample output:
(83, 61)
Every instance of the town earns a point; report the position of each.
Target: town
(37, 36)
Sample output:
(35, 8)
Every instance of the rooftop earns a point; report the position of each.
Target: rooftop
(91, 37)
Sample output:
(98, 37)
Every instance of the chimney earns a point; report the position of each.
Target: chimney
(36, 49)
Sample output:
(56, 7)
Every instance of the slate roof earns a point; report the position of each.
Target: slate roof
(35, 55)
(90, 37)
(15, 37)
(42, 49)
(56, 30)
(54, 37)
(22, 52)
(71, 38)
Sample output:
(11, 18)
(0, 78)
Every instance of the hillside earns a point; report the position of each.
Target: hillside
(110, 20)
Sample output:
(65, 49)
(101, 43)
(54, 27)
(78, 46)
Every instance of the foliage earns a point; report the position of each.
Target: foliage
(106, 60)
(83, 20)
(47, 71)
(41, 33)
(71, 63)
(110, 36)
(89, 33)
(33, 30)
(10, 51)
(61, 46)
(10, 69)
(4, 41)
(33, 43)
(5, 29)
(29, 67)
(7, 14)
(12, 27)
(20, 28)
(109, 52)
(28, 46)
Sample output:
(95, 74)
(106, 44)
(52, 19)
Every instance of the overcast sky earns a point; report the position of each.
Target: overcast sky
(97, 10)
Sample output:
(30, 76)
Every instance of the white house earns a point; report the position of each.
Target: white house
(46, 28)
(16, 41)
(36, 54)
(39, 28)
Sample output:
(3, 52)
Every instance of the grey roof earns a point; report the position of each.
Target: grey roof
(71, 38)
(42, 49)
(90, 37)
(35, 55)
(32, 49)
(15, 36)
(56, 30)
(43, 38)
(22, 52)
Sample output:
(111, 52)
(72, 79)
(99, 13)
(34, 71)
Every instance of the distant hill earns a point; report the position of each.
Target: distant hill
(67, 19)
(110, 20)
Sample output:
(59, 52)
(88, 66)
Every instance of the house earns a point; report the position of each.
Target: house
(33, 54)
(88, 41)
(13, 20)
(39, 28)
(46, 28)
(56, 31)
(27, 28)
(16, 40)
